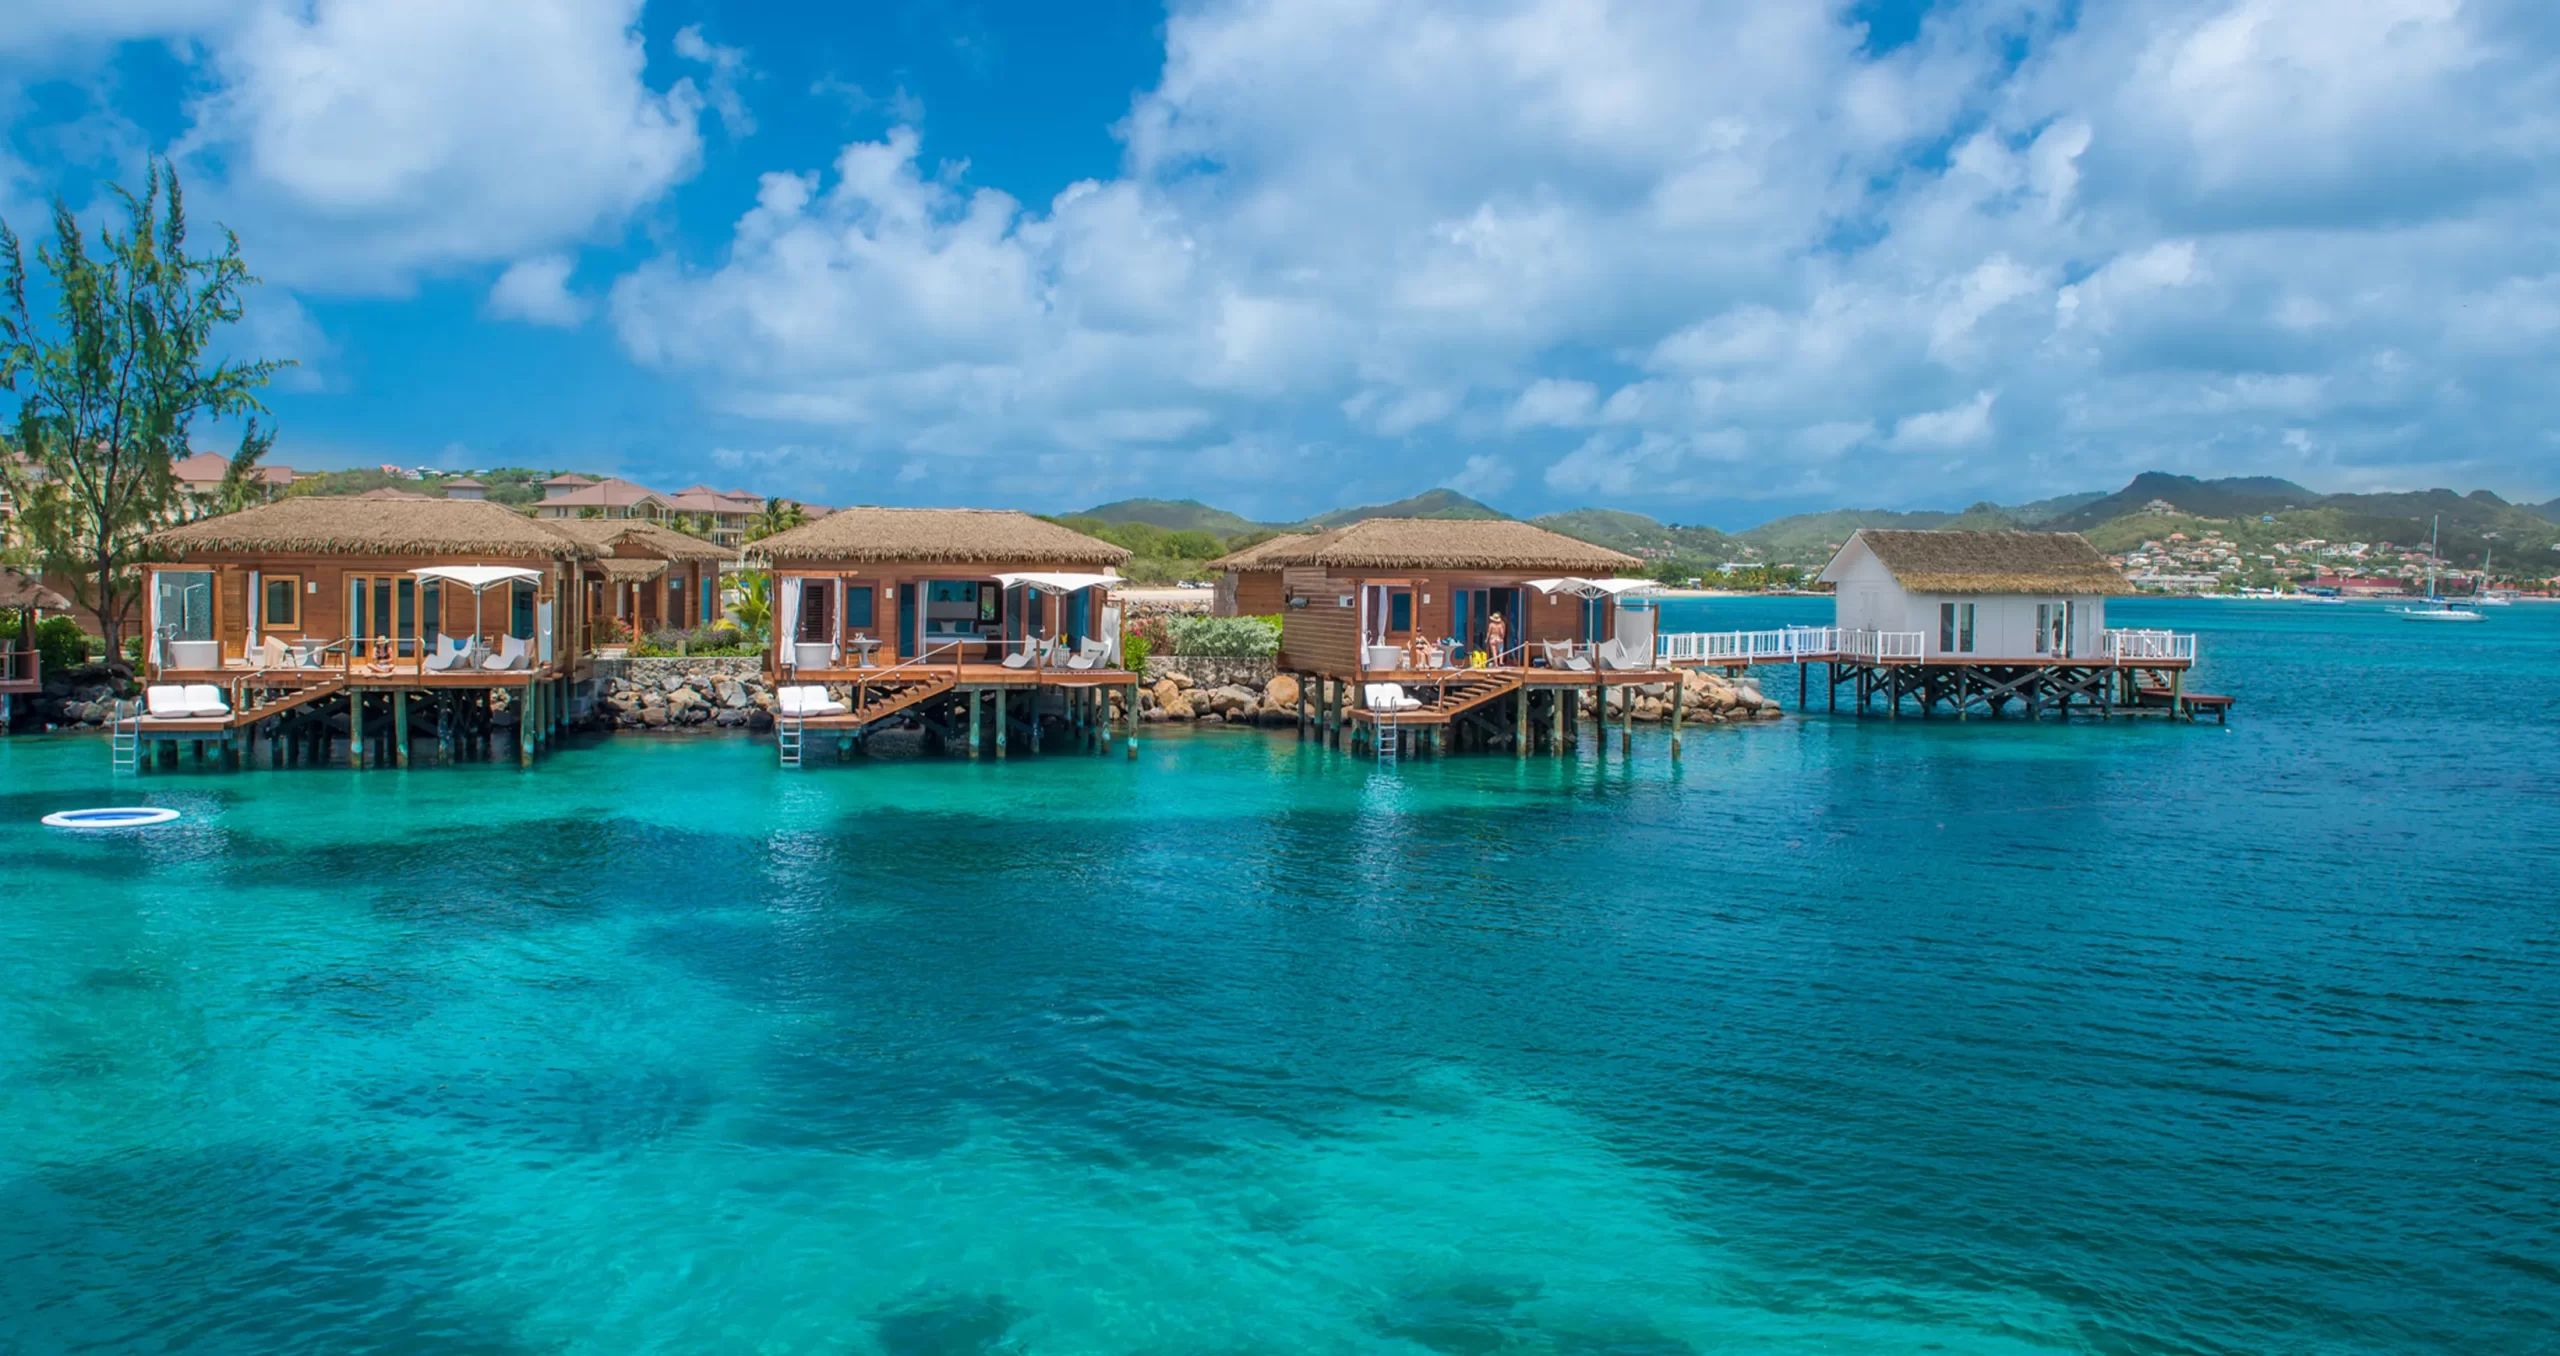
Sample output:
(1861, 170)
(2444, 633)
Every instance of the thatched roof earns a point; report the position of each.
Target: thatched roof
(1493, 544)
(1258, 556)
(1992, 562)
(395, 527)
(606, 534)
(630, 571)
(887, 534)
(23, 590)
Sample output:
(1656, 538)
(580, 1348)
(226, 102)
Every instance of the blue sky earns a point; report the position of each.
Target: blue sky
(1709, 262)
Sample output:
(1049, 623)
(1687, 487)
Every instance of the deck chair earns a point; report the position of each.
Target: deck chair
(1028, 657)
(204, 699)
(166, 701)
(512, 654)
(448, 654)
(1090, 656)
(1389, 697)
(1560, 655)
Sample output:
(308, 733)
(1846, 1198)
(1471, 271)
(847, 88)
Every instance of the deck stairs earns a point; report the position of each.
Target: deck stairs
(124, 746)
(1465, 693)
(301, 696)
(888, 697)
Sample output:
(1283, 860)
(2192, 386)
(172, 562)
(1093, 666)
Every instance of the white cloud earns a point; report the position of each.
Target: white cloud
(537, 291)
(1649, 252)
(1483, 476)
(728, 68)
(360, 143)
(1957, 426)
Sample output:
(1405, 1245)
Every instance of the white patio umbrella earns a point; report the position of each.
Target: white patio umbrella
(1594, 588)
(1060, 583)
(478, 579)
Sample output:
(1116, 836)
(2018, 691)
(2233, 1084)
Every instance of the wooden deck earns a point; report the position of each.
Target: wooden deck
(401, 674)
(961, 675)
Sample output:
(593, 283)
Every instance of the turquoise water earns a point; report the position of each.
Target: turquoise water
(1837, 1036)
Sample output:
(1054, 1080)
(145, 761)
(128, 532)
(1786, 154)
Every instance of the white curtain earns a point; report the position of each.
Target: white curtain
(836, 653)
(256, 600)
(1635, 632)
(159, 658)
(1111, 632)
(786, 617)
(542, 628)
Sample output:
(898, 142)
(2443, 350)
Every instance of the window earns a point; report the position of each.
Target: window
(857, 608)
(280, 604)
(431, 609)
(1400, 611)
(2044, 628)
(186, 603)
(520, 622)
(1955, 628)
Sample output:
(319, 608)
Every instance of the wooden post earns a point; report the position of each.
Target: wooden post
(1129, 708)
(1679, 689)
(976, 698)
(400, 726)
(355, 727)
(524, 726)
(1600, 715)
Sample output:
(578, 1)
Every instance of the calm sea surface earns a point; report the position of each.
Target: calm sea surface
(1837, 1036)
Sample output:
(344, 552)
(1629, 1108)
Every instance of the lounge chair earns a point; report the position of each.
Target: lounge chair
(1389, 697)
(1025, 658)
(204, 699)
(166, 701)
(271, 653)
(1560, 655)
(1090, 656)
(512, 654)
(448, 654)
(1623, 655)
(807, 699)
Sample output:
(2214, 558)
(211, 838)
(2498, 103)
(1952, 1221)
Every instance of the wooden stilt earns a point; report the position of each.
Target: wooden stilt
(355, 727)
(400, 726)
(1680, 689)
(976, 698)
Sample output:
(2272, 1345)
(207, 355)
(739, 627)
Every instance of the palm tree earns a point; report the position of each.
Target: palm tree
(755, 602)
(777, 515)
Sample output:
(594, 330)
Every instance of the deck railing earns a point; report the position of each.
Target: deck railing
(1878, 646)
(1788, 645)
(20, 666)
(2123, 645)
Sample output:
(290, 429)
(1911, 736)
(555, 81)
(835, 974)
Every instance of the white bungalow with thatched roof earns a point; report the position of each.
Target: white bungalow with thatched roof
(1980, 597)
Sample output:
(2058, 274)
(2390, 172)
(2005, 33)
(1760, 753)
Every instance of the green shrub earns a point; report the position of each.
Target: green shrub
(1225, 636)
(717, 638)
(62, 644)
(1134, 650)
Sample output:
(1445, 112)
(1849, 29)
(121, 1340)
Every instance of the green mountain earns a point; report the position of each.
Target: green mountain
(1173, 515)
(2550, 510)
(1428, 504)
(2237, 497)
(2041, 511)
(1639, 535)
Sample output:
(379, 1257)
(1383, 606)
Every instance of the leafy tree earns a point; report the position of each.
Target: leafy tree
(111, 385)
(777, 515)
(754, 608)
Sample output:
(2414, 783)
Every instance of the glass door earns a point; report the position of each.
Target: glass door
(382, 616)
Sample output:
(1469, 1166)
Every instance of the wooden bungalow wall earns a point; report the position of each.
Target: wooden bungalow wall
(1323, 636)
(323, 613)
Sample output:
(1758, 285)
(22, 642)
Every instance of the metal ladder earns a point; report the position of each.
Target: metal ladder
(124, 743)
(1387, 740)
(786, 737)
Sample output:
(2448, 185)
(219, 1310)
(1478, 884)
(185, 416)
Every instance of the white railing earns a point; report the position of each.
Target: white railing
(2131, 645)
(1877, 646)
(1787, 646)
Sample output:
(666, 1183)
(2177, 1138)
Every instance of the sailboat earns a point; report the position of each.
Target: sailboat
(2487, 596)
(2437, 609)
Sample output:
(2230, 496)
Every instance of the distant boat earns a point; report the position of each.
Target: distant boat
(2487, 596)
(2437, 609)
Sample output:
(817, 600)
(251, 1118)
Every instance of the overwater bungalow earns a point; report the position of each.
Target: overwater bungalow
(1456, 632)
(1249, 580)
(279, 620)
(644, 576)
(1972, 622)
(21, 671)
(984, 627)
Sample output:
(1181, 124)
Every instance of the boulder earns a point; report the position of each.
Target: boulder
(671, 682)
(1181, 681)
(1281, 693)
(1179, 708)
(759, 720)
(682, 700)
(1232, 698)
(1166, 691)
(653, 716)
(730, 693)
